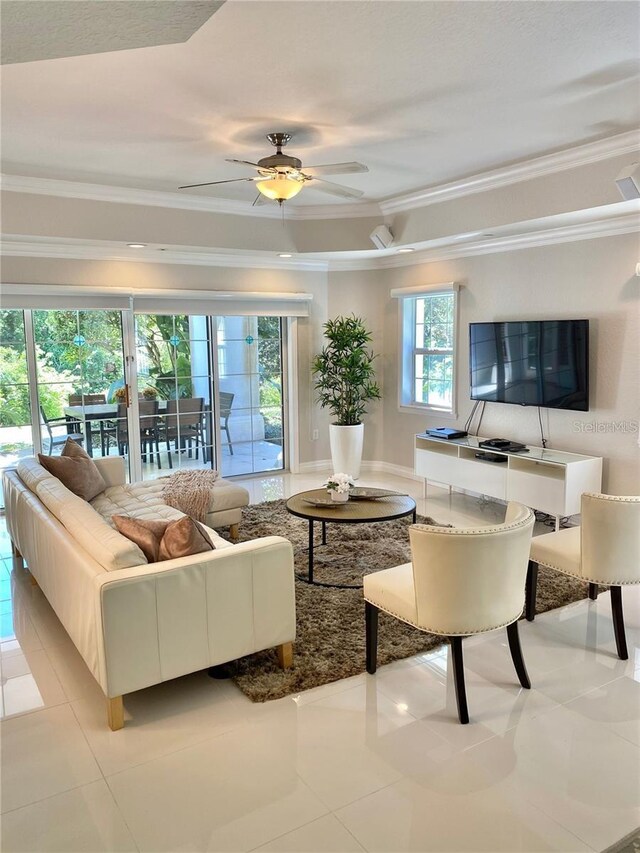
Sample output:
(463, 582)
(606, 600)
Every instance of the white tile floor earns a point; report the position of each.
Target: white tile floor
(370, 763)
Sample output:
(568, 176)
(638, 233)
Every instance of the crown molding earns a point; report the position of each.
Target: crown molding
(19, 246)
(568, 158)
(182, 201)
(626, 224)
(605, 221)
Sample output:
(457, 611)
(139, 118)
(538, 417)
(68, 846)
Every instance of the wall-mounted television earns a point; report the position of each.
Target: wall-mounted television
(531, 363)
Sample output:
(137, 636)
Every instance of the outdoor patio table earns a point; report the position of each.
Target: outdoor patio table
(97, 412)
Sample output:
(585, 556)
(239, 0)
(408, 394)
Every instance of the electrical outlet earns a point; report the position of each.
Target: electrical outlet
(314, 435)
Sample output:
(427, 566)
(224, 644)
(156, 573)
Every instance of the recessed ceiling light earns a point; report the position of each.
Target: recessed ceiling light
(285, 255)
(404, 251)
(137, 245)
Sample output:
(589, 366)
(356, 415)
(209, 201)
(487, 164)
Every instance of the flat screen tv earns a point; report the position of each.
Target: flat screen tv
(531, 363)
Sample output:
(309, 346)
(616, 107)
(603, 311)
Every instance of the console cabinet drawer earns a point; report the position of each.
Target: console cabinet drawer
(537, 491)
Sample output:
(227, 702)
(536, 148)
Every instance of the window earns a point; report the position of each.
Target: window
(427, 344)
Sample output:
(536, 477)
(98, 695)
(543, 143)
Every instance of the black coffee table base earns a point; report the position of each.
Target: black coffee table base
(311, 549)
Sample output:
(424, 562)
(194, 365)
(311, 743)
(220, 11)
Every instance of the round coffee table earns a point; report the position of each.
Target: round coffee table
(352, 512)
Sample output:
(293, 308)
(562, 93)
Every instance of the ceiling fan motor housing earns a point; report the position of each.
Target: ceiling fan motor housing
(281, 162)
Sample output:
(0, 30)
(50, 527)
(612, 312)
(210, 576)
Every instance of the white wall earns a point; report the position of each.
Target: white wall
(592, 279)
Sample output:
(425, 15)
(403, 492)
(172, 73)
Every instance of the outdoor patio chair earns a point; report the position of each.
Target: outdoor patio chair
(57, 440)
(183, 424)
(461, 581)
(88, 400)
(118, 431)
(226, 401)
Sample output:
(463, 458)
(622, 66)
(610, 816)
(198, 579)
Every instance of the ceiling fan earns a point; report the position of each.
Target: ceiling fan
(281, 177)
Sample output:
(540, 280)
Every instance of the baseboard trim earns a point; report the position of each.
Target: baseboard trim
(369, 466)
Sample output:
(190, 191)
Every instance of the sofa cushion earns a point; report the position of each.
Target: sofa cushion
(107, 546)
(184, 538)
(146, 533)
(31, 472)
(76, 470)
(165, 540)
(143, 500)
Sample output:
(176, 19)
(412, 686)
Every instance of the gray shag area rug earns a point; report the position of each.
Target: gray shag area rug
(330, 639)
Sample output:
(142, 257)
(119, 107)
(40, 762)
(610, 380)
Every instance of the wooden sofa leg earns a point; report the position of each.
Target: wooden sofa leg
(34, 582)
(285, 655)
(234, 530)
(17, 556)
(115, 713)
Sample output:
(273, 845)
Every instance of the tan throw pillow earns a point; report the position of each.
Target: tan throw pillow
(146, 534)
(164, 540)
(76, 470)
(183, 538)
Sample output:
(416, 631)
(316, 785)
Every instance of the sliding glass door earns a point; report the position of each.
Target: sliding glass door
(16, 436)
(251, 405)
(210, 389)
(166, 391)
(79, 367)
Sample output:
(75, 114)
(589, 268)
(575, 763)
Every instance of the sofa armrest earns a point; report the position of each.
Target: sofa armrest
(168, 619)
(113, 470)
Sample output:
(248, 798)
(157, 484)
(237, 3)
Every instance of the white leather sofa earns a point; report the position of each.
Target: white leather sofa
(134, 623)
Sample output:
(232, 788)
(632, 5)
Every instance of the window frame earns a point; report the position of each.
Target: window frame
(408, 350)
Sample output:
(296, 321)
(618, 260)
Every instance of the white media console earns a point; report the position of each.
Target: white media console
(548, 480)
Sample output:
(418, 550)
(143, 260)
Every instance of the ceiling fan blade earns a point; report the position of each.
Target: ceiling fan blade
(212, 183)
(337, 169)
(259, 200)
(334, 189)
(244, 162)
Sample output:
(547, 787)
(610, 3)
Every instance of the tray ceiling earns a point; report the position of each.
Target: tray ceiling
(421, 92)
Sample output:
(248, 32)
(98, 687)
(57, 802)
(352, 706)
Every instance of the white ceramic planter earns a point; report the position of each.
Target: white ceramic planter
(346, 448)
(339, 497)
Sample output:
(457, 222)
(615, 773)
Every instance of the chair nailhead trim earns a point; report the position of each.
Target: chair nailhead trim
(581, 578)
(444, 633)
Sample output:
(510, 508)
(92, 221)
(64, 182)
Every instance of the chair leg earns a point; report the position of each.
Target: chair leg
(234, 530)
(618, 622)
(371, 633)
(593, 591)
(516, 654)
(458, 679)
(531, 589)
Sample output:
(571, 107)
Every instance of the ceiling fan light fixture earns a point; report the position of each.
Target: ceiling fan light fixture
(280, 188)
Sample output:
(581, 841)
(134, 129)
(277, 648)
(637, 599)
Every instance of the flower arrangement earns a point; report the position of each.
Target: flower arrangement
(120, 394)
(339, 484)
(150, 393)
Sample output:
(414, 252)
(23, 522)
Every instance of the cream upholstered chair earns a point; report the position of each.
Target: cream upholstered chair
(605, 549)
(460, 582)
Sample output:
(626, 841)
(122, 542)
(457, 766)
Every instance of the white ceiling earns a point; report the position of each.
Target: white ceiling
(49, 29)
(421, 92)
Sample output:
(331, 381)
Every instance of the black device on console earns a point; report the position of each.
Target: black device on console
(504, 445)
(491, 457)
(446, 432)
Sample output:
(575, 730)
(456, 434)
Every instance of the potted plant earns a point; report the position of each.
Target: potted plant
(345, 381)
(338, 486)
